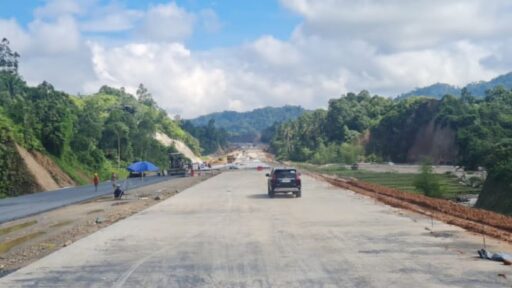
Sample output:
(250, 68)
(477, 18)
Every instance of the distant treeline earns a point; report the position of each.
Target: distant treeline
(211, 138)
(248, 126)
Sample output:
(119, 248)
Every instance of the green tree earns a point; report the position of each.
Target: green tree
(8, 58)
(144, 96)
(427, 182)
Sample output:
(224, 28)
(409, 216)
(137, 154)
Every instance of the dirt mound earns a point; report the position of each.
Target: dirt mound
(182, 147)
(472, 219)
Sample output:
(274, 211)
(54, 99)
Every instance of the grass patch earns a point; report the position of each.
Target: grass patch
(6, 246)
(73, 169)
(60, 224)
(16, 227)
(450, 185)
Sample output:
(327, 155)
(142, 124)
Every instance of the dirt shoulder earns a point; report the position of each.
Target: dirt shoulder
(472, 219)
(26, 240)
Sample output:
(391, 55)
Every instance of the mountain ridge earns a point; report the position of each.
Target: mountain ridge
(476, 89)
(247, 126)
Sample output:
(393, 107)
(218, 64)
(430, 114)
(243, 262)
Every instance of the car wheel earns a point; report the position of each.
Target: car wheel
(298, 194)
(271, 193)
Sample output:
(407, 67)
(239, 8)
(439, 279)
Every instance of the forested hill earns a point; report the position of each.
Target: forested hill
(77, 136)
(477, 89)
(465, 131)
(248, 126)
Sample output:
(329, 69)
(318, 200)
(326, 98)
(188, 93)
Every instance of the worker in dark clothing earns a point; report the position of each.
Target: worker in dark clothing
(118, 193)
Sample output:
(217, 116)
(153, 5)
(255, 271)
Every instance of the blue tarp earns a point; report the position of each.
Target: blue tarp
(142, 166)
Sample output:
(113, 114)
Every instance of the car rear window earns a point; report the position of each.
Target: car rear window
(285, 173)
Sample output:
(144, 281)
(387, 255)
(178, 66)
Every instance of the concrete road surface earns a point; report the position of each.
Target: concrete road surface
(225, 232)
(31, 204)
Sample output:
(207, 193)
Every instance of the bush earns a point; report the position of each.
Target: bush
(427, 182)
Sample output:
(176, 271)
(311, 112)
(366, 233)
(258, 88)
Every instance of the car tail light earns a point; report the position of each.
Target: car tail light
(297, 177)
(274, 178)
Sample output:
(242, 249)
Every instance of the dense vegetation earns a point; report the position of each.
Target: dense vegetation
(97, 133)
(477, 89)
(372, 128)
(211, 138)
(330, 136)
(248, 126)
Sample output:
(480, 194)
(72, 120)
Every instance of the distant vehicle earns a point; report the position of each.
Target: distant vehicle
(178, 164)
(231, 158)
(136, 175)
(284, 180)
(354, 166)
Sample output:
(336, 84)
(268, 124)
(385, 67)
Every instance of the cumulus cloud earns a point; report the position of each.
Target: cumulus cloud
(111, 18)
(387, 47)
(167, 22)
(399, 24)
(180, 83)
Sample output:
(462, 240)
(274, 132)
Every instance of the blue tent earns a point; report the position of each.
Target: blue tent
(142, 166)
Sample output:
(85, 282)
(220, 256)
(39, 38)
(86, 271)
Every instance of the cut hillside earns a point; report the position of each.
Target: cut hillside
(46, 174)
(435, 142)
(179, 145)
(41, 176)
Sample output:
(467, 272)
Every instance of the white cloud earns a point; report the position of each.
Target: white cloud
(275, 52)
(56, 8)
(167, 22)
(388, 47)
(55, 37)
(178, 81)
(112, 18)
(400, 24)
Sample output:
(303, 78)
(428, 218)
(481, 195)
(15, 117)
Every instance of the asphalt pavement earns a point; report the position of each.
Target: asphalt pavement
(31, 204)
(226, 232)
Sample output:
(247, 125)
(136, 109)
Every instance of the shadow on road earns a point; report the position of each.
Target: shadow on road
(265, 196)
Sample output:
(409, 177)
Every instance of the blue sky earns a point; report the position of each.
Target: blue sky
(241, 21)
(198, 57)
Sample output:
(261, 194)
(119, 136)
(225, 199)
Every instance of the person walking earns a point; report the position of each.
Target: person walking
(113, 179)
(96, 181)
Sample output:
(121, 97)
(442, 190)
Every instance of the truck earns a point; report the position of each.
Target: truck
(231, 159)
(178, 164)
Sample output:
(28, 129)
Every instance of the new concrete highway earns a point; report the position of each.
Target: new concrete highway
(226, 232)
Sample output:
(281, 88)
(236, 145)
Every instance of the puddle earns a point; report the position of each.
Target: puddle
(8, 245)
(16, 227)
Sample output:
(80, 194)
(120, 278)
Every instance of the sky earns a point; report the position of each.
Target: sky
(203, 56)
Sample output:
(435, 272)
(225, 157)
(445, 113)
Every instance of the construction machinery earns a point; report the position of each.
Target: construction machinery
(178, 164)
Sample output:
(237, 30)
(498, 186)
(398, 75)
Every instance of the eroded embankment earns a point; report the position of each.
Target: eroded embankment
(472, 219)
